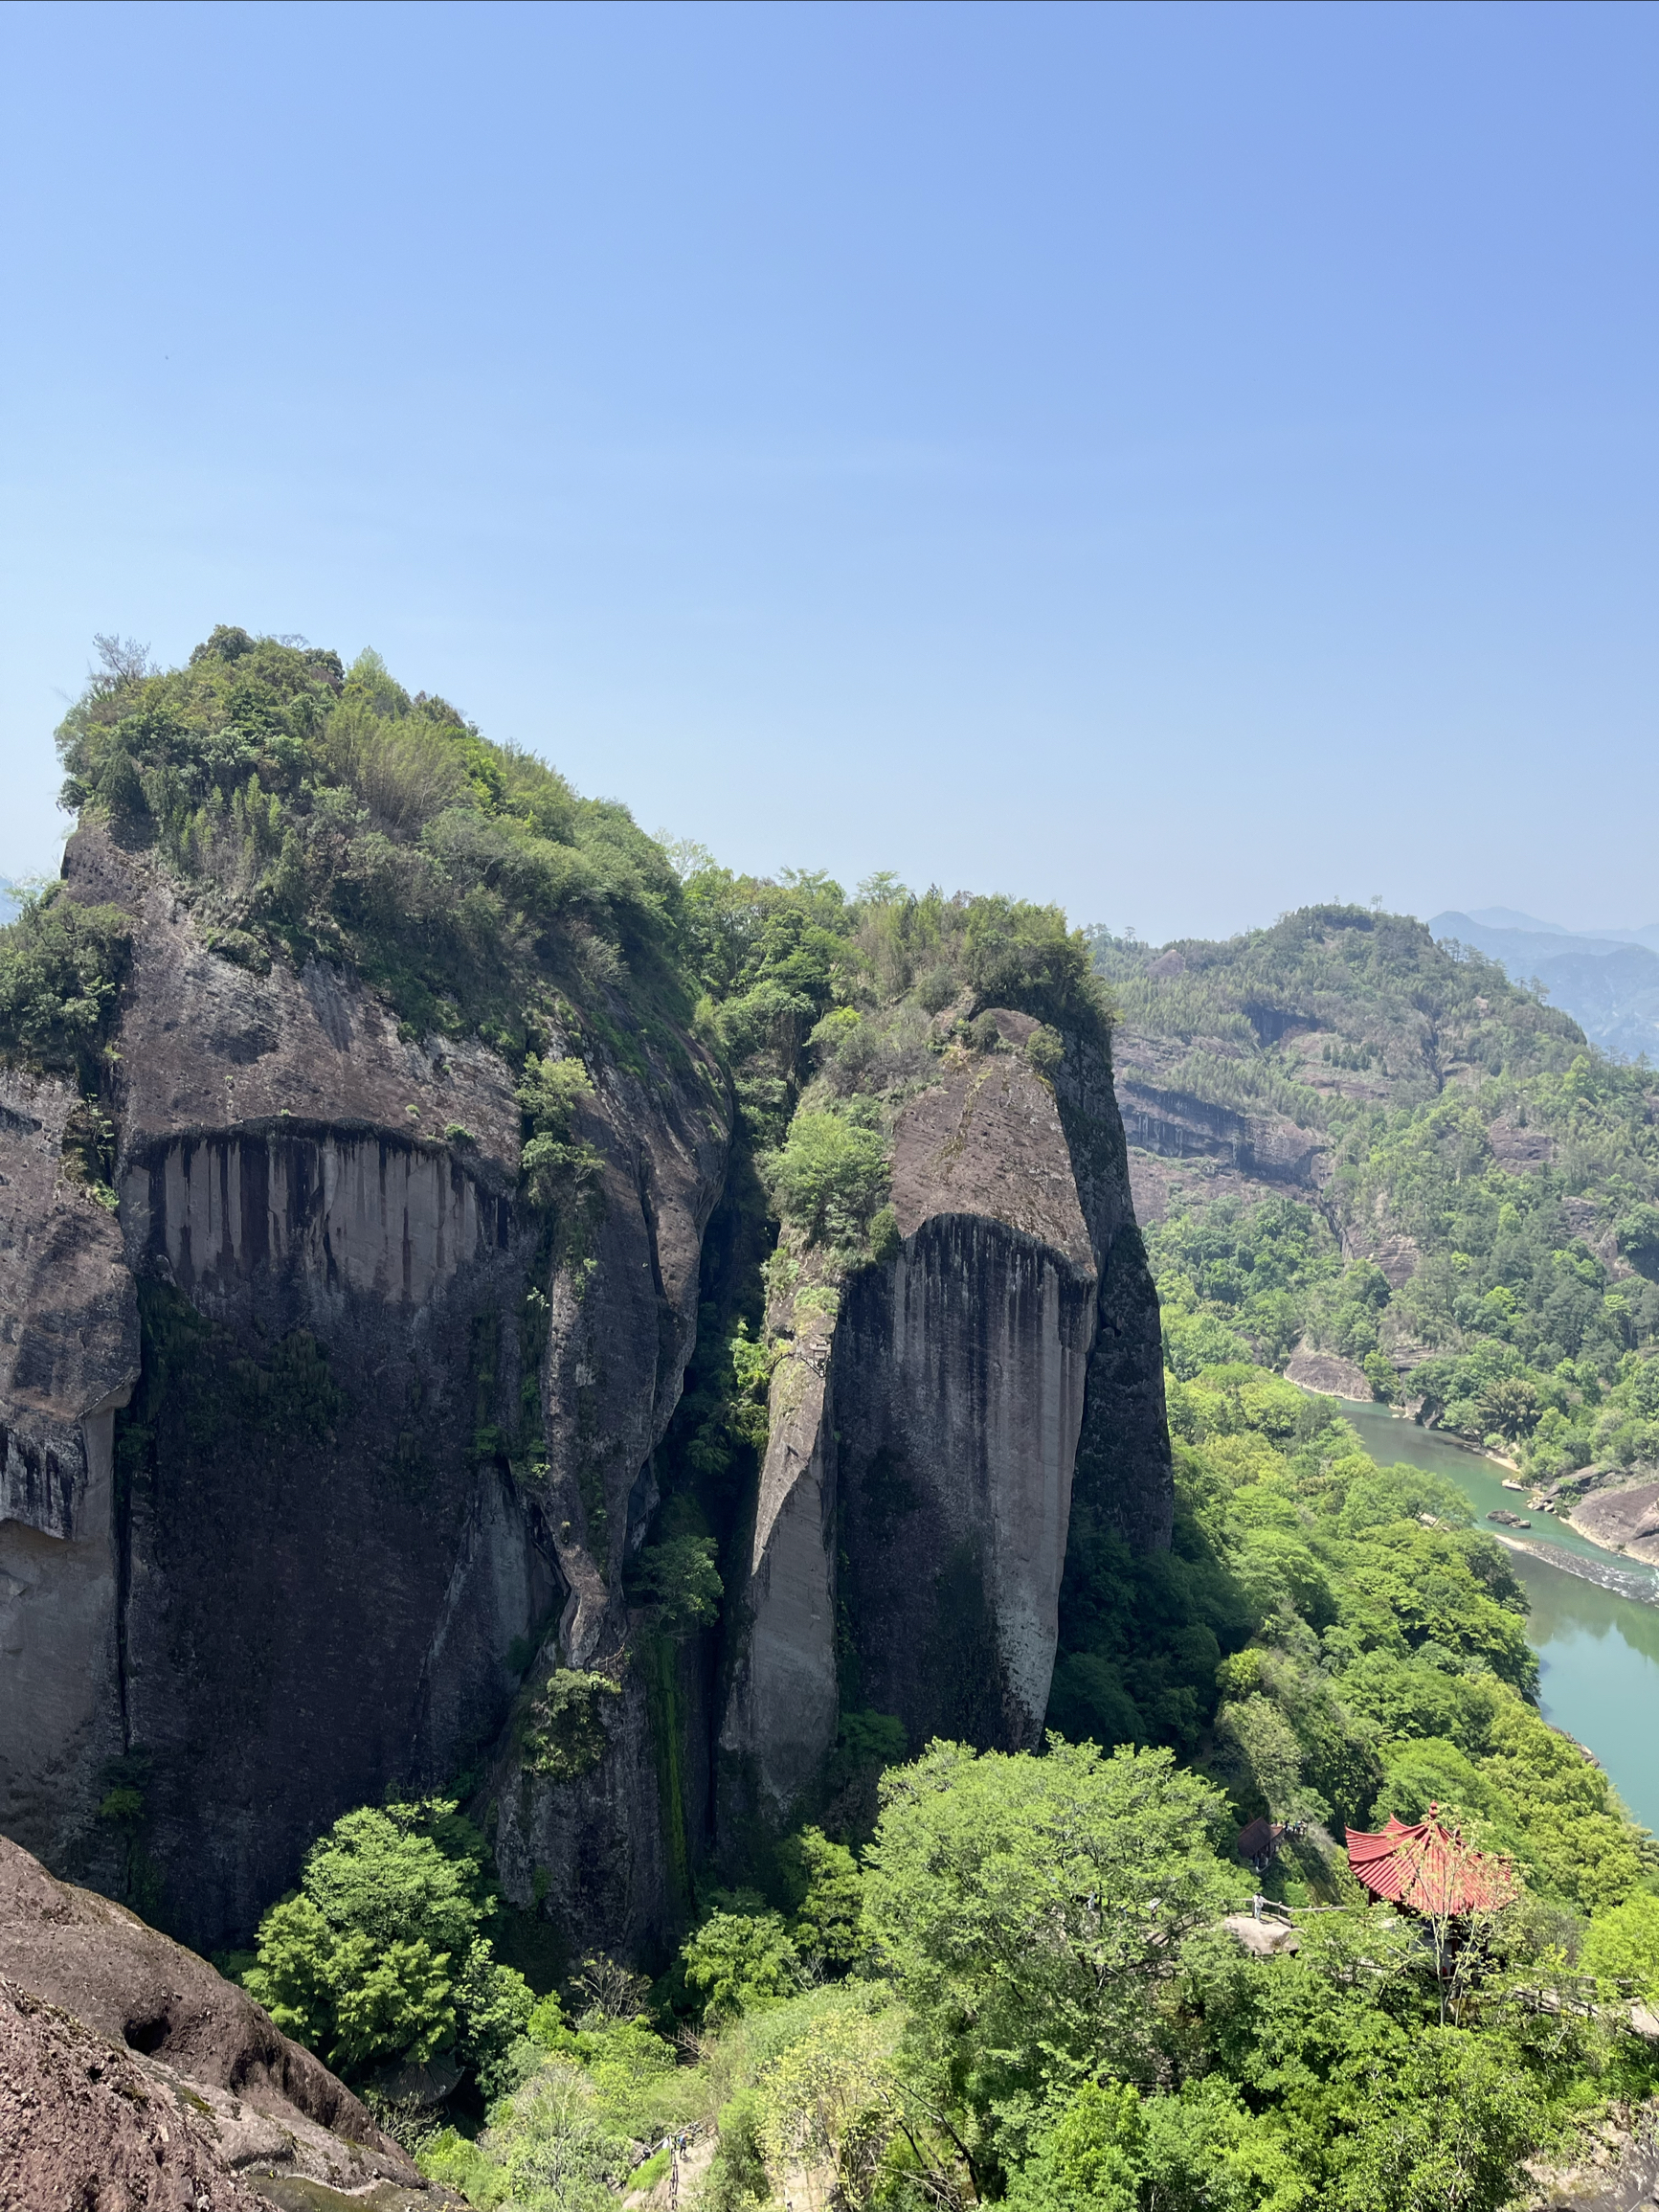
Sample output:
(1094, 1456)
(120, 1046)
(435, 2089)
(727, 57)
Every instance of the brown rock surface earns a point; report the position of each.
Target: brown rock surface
(1162, 1118)
(1261, 1938)
(69, 1356)
(988, 1140)
(83, 2126)
(259, 2096)
(208, 1046)
(1610, 2163)
(1521, 1151)
(1328, 1373)
(1626, 1520)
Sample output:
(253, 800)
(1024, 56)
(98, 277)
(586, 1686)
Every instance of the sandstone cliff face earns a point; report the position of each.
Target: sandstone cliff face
(609, 1853)
(325, 1449)
(911, 1526)
(69, 1358)
(388, 1430)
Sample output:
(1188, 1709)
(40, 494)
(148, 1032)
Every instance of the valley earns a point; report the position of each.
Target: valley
(654, 1504)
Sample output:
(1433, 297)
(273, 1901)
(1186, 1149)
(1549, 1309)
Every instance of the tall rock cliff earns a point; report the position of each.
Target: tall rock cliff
(358, 1143)
(930, 1419)
(388, 1432)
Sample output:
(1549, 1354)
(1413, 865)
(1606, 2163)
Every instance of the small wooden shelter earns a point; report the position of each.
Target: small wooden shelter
(1426, 1868)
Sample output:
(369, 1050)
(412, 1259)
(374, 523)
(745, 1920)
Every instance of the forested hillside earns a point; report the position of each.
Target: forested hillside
(1018, 1987)
(1427, 1172)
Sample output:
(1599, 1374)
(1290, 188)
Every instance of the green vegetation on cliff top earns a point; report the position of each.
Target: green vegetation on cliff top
(318, 810)
(315, 809)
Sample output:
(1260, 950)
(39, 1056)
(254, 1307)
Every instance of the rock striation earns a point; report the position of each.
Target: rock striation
(391, 1432)
(69, 1359)
(931, 1420)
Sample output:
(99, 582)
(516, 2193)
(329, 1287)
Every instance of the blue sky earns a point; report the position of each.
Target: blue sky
(1180, 460)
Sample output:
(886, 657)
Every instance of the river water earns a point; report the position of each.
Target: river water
(1595, 1615)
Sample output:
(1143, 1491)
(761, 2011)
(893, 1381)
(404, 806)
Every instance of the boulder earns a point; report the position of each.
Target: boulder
(95, 1999)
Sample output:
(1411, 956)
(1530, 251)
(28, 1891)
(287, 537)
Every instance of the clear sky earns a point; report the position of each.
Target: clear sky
(1182, 460)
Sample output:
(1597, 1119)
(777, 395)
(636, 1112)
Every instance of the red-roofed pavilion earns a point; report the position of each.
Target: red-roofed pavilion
(1428, 1868)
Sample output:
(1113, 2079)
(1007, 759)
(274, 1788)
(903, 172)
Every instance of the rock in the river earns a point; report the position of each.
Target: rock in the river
(1623, 1519)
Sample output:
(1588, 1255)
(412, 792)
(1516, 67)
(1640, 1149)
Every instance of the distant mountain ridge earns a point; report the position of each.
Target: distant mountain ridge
(1509, 917)
(1607, 980)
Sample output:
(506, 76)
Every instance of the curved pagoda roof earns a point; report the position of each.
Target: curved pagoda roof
(1427, 1867)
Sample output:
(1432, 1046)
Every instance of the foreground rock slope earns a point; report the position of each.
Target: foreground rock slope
(129, 2062)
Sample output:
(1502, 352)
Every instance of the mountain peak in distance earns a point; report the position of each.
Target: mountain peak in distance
(1509, 917)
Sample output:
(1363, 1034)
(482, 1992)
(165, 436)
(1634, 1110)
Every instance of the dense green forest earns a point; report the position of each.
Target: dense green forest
(984, 1977)
(1509, 1170)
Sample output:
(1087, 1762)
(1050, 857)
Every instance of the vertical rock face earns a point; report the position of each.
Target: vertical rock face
(914, 1506)
(959, 1396)
(69, 1357)
(617, 1840)
(1123, 1454)
(325, 1449)
(781, 1704)
(387, 1426)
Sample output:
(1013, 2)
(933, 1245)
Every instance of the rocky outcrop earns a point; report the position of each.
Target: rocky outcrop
(391, 1428)
(325, 1450)
(930, 1421)
(1178, 1124)
(783, 1697)
(84, 2124)
(1610, 2163)
(122, 2046)
(619, 1837)
(1623, 1519)
(1328, 1373)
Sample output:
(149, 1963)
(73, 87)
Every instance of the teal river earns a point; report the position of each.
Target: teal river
(1595, 1615)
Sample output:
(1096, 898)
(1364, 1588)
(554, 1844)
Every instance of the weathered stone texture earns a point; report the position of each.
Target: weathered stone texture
(988, 1140)
(782, 1701)
(215, 2085)
(390, 1426)
(623, 1322)
(69, 1357)
(958, 1398)
(920, 1473)
(618, 1838)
